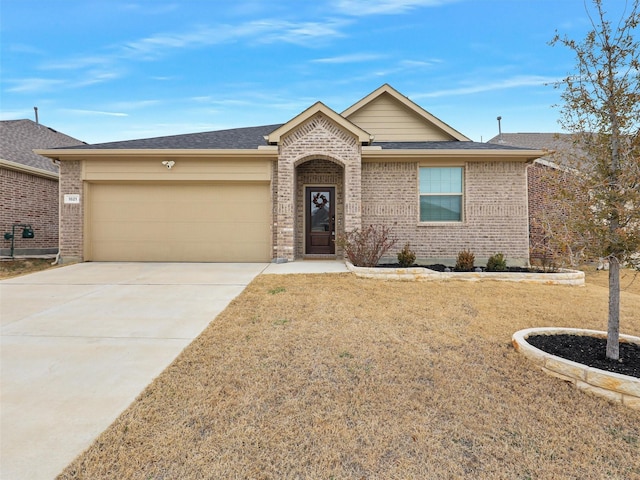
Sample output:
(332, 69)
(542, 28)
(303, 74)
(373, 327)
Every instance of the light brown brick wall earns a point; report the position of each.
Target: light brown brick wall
(495, 206)
(71, 215)
(316, 139)
(33, 200)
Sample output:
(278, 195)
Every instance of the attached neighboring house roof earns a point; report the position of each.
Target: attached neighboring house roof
(18, 139)
(558, 144)
(541, 141)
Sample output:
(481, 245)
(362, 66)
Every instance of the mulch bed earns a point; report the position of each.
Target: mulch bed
(441, 268)
(590, 351)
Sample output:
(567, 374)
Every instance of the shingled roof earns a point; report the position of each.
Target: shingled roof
(561, 144)
(538, 141)
(253, 137)
(18, 139)
(234, 138)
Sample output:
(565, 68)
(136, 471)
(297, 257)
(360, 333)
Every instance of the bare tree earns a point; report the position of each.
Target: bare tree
(601, 107)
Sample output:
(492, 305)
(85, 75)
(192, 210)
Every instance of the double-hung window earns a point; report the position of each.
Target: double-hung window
(441, 194)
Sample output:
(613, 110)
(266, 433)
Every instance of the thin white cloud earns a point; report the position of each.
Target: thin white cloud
(94, 78)
(515, 82)
(384, 7)
(418, 63)
(304, 33)
(263, 31)
(108, 67)
(31, 85)
(134, 105)
(80, 111)
(76, 63)
(351, 58)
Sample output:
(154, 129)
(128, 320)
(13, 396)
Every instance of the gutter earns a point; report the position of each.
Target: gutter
(19, 167)
(527, 156)
(87, 154)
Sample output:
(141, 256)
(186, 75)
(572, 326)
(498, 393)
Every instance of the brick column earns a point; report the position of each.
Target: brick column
(285, 213)
(71, 214)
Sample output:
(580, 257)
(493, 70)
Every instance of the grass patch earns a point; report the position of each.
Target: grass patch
(374, 379)
(275, 291)
(629, 279)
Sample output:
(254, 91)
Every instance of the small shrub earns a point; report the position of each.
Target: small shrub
(406, 256)
(465, 261)
(365, 248)
(497, 263)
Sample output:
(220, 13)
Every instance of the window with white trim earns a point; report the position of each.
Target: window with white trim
(441, 194)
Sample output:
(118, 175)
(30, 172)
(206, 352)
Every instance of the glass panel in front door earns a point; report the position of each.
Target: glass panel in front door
(320, 208)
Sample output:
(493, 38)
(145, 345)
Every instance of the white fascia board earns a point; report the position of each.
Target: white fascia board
(19, 167)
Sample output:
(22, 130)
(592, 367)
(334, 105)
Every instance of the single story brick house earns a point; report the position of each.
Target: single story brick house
(283, 192)
(29, 186)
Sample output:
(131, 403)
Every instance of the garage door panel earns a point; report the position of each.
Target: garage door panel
(144, 252)
(179, 222)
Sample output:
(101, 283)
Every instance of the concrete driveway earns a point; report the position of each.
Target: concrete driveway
(80, 342)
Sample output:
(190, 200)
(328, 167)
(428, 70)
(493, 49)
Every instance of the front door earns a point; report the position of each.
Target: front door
(320, 220)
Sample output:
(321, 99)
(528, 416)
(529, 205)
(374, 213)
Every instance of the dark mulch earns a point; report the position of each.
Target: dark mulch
(590, 351)
(441, 268)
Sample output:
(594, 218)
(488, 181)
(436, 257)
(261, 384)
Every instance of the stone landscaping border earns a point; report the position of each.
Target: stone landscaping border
(615, 387)
(422, 274)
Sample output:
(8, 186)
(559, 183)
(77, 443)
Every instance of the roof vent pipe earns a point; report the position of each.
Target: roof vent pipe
(500, 140)
(35, 109)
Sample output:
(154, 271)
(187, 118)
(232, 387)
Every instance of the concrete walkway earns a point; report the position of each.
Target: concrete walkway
(80, 342)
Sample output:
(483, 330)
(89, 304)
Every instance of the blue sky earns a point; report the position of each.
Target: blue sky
(105, 70)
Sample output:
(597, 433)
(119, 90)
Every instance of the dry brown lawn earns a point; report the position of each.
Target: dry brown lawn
(17, 267)
(335, 377)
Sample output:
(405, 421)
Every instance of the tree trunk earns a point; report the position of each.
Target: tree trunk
(613, 330)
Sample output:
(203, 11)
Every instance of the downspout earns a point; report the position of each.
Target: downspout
(57, 259)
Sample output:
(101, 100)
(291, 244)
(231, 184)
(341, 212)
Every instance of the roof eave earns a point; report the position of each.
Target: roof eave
(20, 167)
(86, 154)
(526, 156)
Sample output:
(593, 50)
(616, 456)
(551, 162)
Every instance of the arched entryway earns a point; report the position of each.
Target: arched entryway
(319, 207)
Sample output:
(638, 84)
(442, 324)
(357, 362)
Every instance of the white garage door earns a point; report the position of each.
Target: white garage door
(179, 222)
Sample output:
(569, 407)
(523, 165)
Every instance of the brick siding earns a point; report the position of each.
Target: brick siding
(495, 212)
(537, 193)
(29, 199)
(542, 179)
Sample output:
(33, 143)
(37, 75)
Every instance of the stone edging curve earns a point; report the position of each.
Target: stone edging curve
(421, 274)
(617, 388)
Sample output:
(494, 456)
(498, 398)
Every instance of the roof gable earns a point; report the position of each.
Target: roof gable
(363, 137)
(392, 117)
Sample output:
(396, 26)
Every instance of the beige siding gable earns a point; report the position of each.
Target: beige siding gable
(391, 121)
